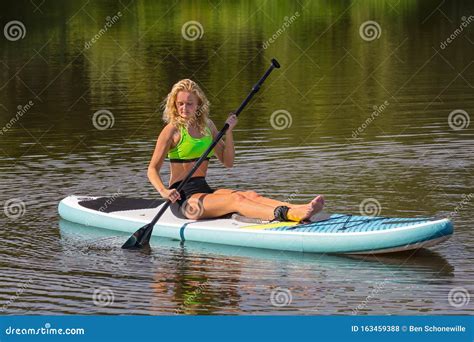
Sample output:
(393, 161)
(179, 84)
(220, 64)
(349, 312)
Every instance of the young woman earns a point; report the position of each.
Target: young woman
(188, 133)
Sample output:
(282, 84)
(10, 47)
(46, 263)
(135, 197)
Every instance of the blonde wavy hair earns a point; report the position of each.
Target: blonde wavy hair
(170, 112)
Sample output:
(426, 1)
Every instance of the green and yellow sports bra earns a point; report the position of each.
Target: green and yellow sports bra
(190, 149)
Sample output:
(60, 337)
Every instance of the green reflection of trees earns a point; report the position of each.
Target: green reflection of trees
(132, 67)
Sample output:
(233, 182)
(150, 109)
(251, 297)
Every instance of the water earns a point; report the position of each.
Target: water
(404, 153)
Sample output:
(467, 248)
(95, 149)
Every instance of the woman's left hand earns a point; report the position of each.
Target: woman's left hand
(232, 121)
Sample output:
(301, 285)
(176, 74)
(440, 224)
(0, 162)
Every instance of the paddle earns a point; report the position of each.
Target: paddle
(141, 237)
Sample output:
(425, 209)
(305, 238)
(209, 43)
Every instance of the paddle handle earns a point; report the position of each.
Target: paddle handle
(256, 87)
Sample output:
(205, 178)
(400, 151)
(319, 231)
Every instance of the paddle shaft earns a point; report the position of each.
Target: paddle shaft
(219, 136)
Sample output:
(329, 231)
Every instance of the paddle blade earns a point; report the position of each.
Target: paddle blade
(139, 239)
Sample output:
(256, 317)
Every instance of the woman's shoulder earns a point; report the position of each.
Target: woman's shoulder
(170, 129)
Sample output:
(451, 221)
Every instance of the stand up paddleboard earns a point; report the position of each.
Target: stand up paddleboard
(336, 233)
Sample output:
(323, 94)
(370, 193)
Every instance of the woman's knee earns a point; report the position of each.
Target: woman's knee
(252, 195)
(238, 197)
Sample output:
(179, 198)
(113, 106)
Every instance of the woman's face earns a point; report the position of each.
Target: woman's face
(186, 104)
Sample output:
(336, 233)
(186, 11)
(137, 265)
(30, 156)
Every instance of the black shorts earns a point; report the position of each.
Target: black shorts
(196, 185)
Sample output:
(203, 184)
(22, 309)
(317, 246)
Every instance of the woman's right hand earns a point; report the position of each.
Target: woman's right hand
(170, 194)
(232, 121)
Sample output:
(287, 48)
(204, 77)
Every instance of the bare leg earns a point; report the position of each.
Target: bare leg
(254, 196)
(215, 205)
(317, 203)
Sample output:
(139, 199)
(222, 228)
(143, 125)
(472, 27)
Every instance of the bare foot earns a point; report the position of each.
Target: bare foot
(305, 211)
(318, 204)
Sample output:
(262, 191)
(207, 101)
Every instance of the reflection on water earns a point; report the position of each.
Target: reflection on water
(205, 278)
(364, 119)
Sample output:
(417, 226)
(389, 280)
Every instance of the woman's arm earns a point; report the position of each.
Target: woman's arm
(225, 151)
(163, 144)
